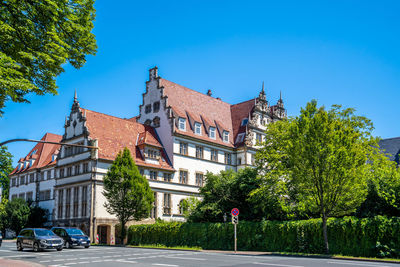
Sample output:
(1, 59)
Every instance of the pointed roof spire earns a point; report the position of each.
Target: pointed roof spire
(262, 93)
(75, 105)
(263, 88)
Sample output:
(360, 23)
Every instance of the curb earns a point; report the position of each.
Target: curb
(18, 263)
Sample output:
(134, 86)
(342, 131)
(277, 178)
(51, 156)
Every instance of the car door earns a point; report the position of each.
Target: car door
(21, 238)
(30, 238)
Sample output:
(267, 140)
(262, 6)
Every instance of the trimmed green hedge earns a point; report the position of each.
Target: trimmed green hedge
(369, 237)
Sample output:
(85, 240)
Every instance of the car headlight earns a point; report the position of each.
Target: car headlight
(43, 241)
(74, 239)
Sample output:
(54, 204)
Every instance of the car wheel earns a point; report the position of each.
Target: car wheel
(36, 247)
(59, 249)
(19, 246)
(68, 245)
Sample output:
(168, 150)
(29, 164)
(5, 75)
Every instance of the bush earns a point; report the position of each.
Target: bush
(369, 237)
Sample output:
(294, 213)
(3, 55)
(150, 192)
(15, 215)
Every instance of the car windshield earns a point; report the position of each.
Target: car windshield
(43, 232)
(73, 231)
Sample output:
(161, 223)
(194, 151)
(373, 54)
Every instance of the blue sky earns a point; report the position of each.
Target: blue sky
(338, 52)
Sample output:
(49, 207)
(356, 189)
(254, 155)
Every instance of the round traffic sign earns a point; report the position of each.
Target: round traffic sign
(235, 212)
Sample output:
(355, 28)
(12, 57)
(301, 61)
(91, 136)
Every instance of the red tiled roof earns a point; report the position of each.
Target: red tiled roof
(239, 112)
(198, 107)
(114, 134)
(43, 154)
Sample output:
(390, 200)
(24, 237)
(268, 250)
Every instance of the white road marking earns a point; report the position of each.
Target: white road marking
(161, 264)
(98, 261)
(82, 262)
(71, 263)
(357, 264)
(127, 261)
(45, 261)
(275, 264)
(183, 258)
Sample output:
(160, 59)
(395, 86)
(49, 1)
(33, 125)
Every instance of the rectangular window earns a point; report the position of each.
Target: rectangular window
(211, 134)
(85, 167)
(214, 155)
(197, 128)
(68, 203)
(199, 152)
(22, 195)
(183, 177)
(22, 180)
(153, 175)
(147, 109)
(14, 196)
(44, 195)
(156, 106)
(240, 138)
(167, 204)
(61, 172)
(152, 154)
(31, 178)
(183, 148)
(199, 179)
(48, 175)
(60, 203)
(258, 138)
(14, 182)
(253, 159)
(226, 136)
(228, 158)
(141, 171)
(182, 124)
(153, 212)
(42, 176)
(84, 200)
(239, 161)
(69, 171)
(76, 201)
(167, 177)
(29, 196)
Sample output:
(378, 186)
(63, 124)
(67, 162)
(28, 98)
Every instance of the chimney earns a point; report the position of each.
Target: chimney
(218, 98)
(209, 92)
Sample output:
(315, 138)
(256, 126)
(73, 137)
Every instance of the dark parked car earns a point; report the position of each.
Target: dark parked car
(72, 236)
(38, 239)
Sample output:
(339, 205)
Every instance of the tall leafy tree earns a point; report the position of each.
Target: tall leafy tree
(37, 37)
(322, 156)
(128, 193)
(224, 191)
(16, 214)
(5, 169)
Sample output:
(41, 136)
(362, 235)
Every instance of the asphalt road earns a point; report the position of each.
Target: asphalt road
(118, 256)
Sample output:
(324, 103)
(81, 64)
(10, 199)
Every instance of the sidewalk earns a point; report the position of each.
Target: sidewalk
(16, 263)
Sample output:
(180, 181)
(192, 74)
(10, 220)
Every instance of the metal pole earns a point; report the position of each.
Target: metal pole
(235, 239)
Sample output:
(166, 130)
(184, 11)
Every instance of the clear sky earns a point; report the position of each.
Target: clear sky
(337, 52)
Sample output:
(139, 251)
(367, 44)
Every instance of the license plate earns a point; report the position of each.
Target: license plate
(54, 245)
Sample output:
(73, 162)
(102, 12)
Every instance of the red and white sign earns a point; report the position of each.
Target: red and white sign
(235, 212)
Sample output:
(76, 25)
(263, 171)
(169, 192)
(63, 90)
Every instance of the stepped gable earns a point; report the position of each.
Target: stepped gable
(392, 147)
(239, 112)
(114, 134)
(43, 154)
(198, 107)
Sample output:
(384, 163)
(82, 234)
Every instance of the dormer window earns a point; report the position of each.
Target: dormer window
(240, 138)
(226, 136)
(197, 128)
(211, 134)
(147, 109)
(182, 124)
(152, 153)
(245, 121)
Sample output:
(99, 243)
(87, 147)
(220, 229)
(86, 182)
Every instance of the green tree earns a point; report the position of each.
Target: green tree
(37, 216)
(224, 191)
(188, 206)
(128, 193)
(3, 216)
(37, 38)
(16, 214)
(322, 156)
(5, 169)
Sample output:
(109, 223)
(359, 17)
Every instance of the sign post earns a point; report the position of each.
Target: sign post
(235, 221)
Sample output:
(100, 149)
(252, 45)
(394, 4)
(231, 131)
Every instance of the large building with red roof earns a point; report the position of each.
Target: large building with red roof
(178, 136)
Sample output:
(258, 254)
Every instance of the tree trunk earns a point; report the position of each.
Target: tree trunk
(123, 233)
(325, 231)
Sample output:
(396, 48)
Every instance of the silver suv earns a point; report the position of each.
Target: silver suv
(38, 239)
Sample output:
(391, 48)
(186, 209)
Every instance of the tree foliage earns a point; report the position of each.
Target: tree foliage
(128, 193)
(5, 169)
(37, 216)
(322, 157)
(16, 215)
(37, 37)
(224, 191)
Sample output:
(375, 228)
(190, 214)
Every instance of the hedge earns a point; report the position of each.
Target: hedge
(369, 237)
